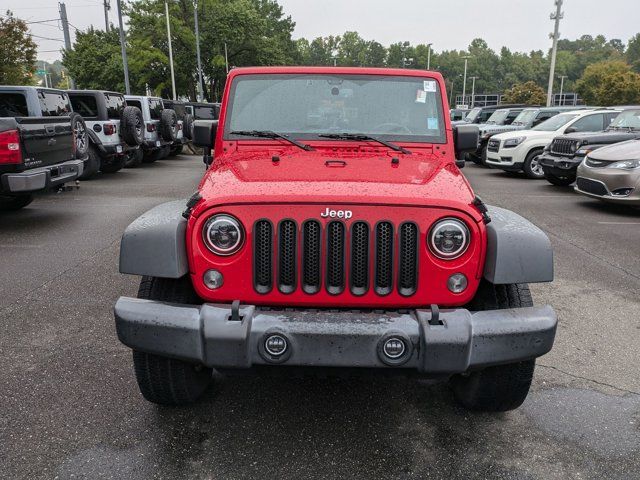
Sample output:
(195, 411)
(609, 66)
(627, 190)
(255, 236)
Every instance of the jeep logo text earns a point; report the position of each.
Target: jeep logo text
(328, 213)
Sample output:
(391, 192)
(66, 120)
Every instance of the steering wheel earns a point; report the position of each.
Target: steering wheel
(391, 127)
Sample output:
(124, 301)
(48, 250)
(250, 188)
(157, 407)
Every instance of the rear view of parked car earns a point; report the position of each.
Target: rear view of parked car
(113, 128)
(160, 129)
(42, 143)
(203, 110)
(185, 125)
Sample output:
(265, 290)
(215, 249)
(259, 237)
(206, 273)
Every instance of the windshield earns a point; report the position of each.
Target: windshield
(525, 117)
(472, 115)
(308, 105)
(627, 119)
(498, 117)
(554, 123)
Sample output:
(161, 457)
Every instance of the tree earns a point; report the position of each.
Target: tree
(609, 83)
(18, 52)
(633, 52)
(529, 93)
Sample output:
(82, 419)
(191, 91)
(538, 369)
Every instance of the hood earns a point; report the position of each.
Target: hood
(524, 133)
(493, 129)
(589, 138)
(629, 150)
(336, 176)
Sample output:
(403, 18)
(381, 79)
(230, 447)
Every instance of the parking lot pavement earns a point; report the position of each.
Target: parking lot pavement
(70, 407)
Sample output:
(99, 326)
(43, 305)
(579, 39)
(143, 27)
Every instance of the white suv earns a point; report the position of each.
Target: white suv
(519, 151)
(161, 129)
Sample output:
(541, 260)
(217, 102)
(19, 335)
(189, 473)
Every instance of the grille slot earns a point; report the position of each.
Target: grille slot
(311, 253)
(287, 256)
(335, 257)
(384, 258)
(591, 186)
(564, 146)
(359, 258)
(408, 268)
(262, 256)
(493, 145)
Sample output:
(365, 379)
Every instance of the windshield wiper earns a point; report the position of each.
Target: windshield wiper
(270, 134)
(361, 137)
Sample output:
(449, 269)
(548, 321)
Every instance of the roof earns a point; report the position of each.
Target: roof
(94, 91)
(400, 72)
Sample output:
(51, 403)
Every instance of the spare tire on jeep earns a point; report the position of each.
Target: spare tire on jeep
(80, 135)
(168, 127)
(132, 126)
(187, 126)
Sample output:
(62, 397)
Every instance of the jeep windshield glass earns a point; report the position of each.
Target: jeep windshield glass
(472, 115)
(554, 123)
(627, 120)
(498, 117)
(305, 106)
(525, 117)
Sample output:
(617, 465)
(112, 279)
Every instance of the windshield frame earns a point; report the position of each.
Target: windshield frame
(443, 118)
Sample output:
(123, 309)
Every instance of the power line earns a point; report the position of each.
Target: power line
(47, 38)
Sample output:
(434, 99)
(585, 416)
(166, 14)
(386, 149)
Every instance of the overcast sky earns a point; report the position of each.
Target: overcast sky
(521, 25)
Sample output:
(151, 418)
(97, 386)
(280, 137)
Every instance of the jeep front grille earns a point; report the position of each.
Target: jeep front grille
(564, 146)
(335, 257)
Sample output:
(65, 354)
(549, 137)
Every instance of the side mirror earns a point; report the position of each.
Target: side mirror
(465, 139)
(204, 133)
(570, 130)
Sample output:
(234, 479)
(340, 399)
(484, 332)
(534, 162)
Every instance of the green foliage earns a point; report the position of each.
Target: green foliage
(18, 52)
(529, 93)
(609, 83)
(633, 52)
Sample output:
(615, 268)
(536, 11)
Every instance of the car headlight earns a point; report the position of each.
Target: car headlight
(223, 234)
(514, 142)
(448, 238)
(626, 164)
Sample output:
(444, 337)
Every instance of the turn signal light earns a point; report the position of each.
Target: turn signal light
(109, 129)
(151, 127)
(10, 147)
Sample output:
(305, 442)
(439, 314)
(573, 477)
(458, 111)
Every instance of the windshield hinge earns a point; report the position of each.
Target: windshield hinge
(482, 208)
(192, 202)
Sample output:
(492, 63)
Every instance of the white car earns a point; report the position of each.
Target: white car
(519, 151)
(161, 129)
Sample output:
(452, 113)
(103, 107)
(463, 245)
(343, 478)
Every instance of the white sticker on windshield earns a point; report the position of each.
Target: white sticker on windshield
(432, 123)
(421, 96)
(429, 85)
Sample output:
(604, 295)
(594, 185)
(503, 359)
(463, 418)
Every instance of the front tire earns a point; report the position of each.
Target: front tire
(163, 380)
(503, 387)
(532, 168)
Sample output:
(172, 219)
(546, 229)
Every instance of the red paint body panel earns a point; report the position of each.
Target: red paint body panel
(422, 188)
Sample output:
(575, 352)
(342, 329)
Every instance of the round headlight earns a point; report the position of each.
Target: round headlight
(223, 234)
(448, 238)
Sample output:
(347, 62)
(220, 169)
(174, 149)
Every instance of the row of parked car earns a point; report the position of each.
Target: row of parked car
(596, 148)
(49, 137)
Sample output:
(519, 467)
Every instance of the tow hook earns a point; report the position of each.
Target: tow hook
(435, 315)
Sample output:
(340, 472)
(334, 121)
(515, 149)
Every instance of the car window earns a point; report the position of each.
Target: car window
(134, 103)
(205, 113)
(511, 116)
(115, 105)
(155, 108)
(179, 109)
(13, 105)
(54, 104)
(484, 116)
(555, 123)
(590, 123)
(85, 105)
(610, 117)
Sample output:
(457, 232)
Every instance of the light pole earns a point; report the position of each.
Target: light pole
(473, 91)
(429, 56)
(554, 49)
(562, 77)
(123, 47)
(173, 76)
(464, 80)
(195, 16)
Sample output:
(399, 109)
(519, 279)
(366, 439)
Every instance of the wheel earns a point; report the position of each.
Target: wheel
(114, 164)
(532, 168)
(177, 150)
(559, 181)
(132, 126)
(187, 126)
(168, 126)
(473, 158)
(92, 165)
(133, 158)
(502, 387)
(483, 157)
(10, 203)
(163, 380)
(80, 136)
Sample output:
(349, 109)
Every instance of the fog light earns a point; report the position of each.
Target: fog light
(213, 279)
(275, 345)
(457, 283)
(394, 348)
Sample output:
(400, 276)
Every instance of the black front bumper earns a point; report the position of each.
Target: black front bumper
(41, 178)
(560, 166)
(461, 340)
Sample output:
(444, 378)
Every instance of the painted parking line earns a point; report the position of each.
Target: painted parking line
(619, 223)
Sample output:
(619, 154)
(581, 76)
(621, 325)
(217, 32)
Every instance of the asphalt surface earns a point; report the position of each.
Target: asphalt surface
(70, 407)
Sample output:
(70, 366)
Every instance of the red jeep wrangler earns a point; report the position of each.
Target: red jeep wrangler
(333, 229)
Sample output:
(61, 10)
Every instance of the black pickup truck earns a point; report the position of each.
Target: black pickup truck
(42, 143)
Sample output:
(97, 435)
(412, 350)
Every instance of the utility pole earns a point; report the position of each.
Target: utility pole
(173, 77)
(562, 77)
(429, 56)
(65, 30)
(226, 57)
(107, 7)
(195, 15)
(123, 47)
(557, 16)
(464, 81)
(473, 91)
(44, 69)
